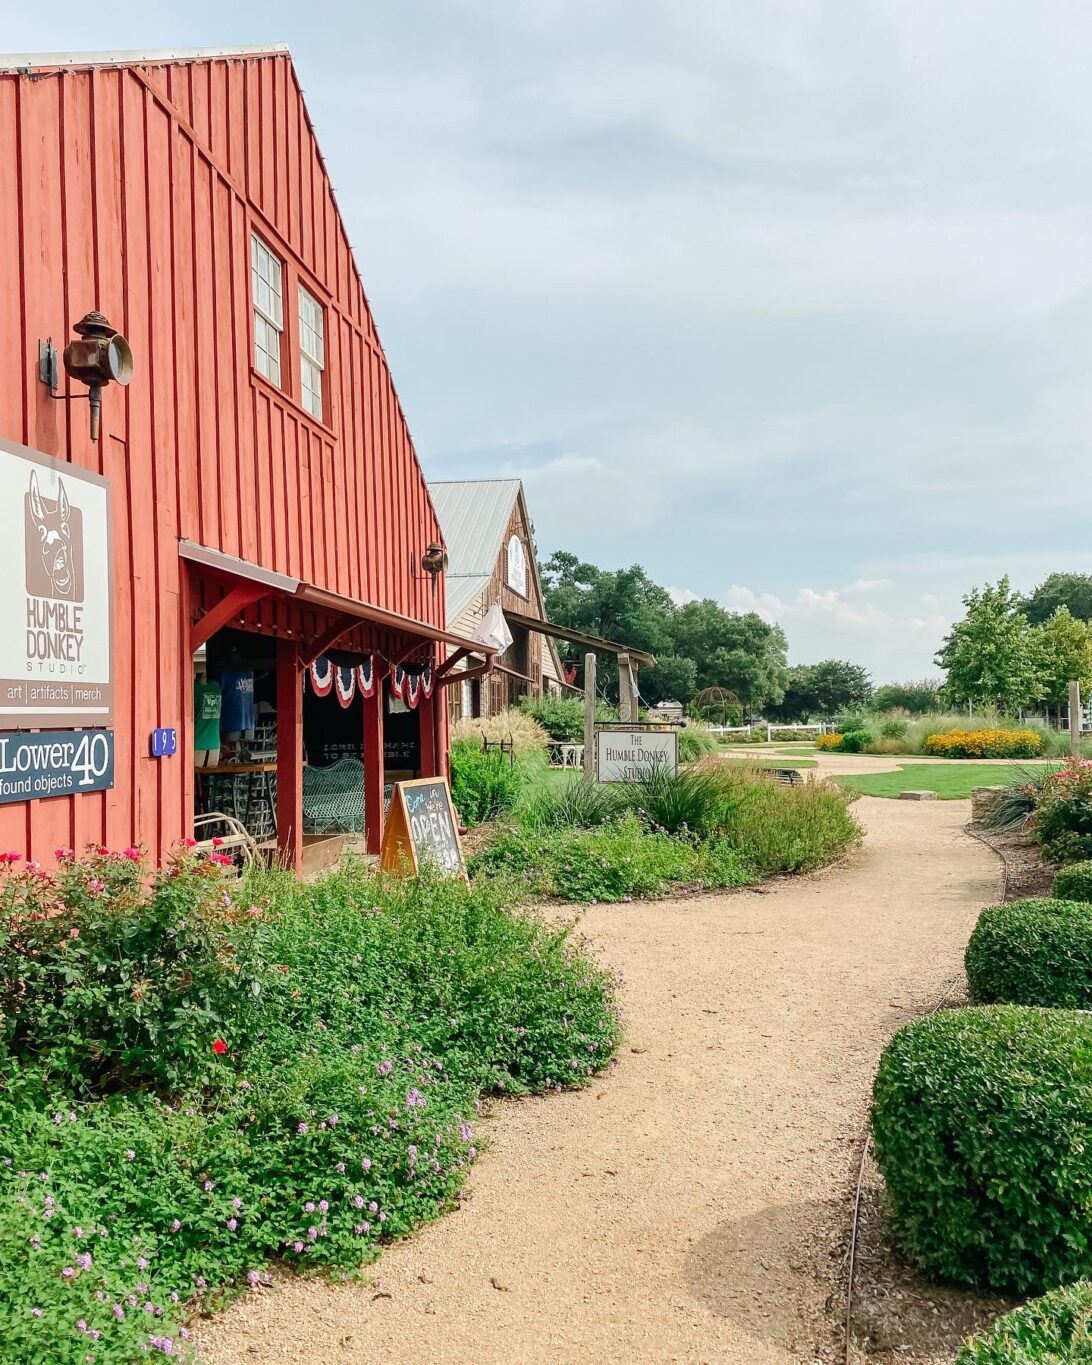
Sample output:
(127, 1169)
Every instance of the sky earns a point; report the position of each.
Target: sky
(790, 303)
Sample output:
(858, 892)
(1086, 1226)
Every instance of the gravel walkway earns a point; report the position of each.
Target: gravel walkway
(692, 1206)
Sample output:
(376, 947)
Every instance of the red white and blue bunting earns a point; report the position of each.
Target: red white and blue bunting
(345, 684)
(411, 687)
(366, 678)
(345, 680)
(321, 674)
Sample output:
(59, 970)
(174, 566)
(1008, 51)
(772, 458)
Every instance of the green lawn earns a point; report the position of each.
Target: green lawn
(952, 780)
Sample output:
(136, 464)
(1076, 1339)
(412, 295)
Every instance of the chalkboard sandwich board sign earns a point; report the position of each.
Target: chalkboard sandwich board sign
(422, 828)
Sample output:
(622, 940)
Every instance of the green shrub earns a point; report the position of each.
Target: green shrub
(484, 784)
(1063, 812)
(1073, 882)
(563, 717)
(616, 861)
(981, 1119)
(854, 741)
(894, 727)
(1032, 952)
(346, 1118)
(1053, 1330)
(117, 989)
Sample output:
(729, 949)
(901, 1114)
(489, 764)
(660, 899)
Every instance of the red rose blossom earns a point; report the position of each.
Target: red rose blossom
(219, 1047)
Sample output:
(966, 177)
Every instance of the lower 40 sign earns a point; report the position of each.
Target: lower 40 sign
(55, 763)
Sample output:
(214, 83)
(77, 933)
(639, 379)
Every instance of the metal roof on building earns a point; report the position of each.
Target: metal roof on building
(22, 61)
(474, 515)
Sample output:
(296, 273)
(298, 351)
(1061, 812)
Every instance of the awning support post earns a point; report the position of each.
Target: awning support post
(374, 770)
(289, 683)
(426, 712)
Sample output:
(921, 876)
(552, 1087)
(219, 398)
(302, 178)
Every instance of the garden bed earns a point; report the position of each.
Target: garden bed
(212, 1075)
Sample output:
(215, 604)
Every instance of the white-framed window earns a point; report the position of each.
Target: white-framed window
(517, 566)
(265, 275)
(312, 352)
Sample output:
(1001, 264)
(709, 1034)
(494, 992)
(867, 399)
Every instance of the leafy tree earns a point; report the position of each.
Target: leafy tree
(737, 650)
(824, 689)
(916, 697)
(1064, 647)
(1072, 590)
(800, 702)
(740, 652)
(991, 656)
(674, 678)
(840, 686)
(624, 606)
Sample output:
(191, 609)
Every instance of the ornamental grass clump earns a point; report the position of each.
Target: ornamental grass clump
(1055, 1329)
(1032, 952)
(981, 1124)
(332, 1108)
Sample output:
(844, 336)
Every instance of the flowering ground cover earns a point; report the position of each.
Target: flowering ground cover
(210, 1075)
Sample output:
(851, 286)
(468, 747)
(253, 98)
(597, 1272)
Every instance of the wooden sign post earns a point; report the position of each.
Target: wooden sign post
(421, 828)
(589, 718)
(1075, 719)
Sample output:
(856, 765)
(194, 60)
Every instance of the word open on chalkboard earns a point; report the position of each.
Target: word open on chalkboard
(421, 828)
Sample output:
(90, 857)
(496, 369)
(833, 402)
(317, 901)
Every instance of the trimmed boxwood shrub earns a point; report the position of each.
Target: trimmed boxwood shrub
(1073, 883)
(983, 1132)
(1053, 1330)
(1033, 952)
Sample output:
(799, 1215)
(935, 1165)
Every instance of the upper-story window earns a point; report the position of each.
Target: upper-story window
(312, 352)
(265, 274)
(517, 566)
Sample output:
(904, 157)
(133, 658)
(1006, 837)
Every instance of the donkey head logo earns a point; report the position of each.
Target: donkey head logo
(53, 522)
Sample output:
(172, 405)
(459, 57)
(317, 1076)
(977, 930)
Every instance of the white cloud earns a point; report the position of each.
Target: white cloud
(680, 596)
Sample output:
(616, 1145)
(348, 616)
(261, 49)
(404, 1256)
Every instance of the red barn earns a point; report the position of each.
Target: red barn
(251, 505)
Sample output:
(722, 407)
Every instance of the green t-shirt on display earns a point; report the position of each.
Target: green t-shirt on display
(206, 708)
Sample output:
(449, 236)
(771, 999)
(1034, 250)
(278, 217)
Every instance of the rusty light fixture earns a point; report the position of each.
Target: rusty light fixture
(99, 357)
(434, 560)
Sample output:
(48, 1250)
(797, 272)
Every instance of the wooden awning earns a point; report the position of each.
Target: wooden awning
(577, 637)
(255, 582)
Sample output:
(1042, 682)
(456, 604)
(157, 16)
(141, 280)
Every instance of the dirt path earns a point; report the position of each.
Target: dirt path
(692, 1205)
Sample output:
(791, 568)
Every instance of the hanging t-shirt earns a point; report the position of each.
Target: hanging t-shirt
(237, 711)
(206, 711)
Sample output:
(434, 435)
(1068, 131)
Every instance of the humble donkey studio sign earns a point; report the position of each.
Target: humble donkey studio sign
(56, 645)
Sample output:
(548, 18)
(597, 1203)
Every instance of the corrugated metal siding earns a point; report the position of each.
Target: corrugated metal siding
(134, 190)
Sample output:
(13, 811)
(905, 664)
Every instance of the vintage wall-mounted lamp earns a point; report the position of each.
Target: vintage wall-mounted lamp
(101, 356)
(434, 560)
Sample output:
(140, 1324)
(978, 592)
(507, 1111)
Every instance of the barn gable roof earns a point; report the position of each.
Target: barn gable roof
(24, 61)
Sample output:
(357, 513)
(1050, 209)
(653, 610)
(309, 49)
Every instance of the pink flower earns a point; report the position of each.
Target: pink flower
(95, 885)
(189, 843)
(73, 933)
(132, 853)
